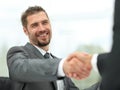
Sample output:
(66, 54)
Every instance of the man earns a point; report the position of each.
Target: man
(31, 67)
(108, 64)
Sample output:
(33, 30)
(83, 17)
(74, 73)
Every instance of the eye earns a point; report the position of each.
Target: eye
(45, 22)
(34, 25)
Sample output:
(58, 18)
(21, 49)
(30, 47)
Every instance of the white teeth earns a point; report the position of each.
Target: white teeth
(43, 34)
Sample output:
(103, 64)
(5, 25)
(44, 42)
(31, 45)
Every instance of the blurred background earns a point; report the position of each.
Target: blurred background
(77, 25)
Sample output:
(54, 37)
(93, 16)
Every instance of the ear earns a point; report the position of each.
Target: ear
(25, 30)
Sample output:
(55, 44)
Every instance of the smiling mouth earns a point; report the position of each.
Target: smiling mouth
(43, 34)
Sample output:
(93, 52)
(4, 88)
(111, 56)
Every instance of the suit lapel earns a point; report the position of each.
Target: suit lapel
(34, 50)
(38, 54)
(54, 82)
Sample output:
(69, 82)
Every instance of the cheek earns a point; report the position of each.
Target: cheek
(50, 33)
(32, 34)
(36, 34)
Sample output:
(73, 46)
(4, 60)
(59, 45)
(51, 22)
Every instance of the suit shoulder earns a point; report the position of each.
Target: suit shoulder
(16, 48)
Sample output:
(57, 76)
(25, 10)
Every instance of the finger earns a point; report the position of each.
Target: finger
(70, 75)
(75, 76)
(80, 67)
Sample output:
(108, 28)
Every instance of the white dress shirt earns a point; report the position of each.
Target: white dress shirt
(94, 62)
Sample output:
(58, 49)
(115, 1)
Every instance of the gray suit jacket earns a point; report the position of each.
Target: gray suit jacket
(32, 71)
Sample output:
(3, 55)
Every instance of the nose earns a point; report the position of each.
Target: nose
(41, 27)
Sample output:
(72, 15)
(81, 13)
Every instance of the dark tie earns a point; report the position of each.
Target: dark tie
(47, 55)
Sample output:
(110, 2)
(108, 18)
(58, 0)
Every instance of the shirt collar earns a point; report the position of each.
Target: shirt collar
(43, 52)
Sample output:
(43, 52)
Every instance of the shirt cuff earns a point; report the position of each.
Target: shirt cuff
(60, 69)
(94, 62)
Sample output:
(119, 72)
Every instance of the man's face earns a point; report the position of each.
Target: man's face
(38, 29)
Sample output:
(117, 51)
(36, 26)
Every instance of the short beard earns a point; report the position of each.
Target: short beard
(43, 44)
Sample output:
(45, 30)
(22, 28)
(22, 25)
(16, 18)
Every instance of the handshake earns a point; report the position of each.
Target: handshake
(77, 65)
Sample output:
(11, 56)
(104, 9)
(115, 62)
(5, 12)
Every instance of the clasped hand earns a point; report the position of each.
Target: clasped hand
(77, 65)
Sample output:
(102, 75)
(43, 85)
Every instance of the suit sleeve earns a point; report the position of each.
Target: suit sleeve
(24, 69)
(101, 62)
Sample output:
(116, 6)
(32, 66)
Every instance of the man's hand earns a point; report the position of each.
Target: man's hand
(77, 65)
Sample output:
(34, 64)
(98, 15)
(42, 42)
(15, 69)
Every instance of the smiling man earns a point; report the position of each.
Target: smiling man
(31, 67)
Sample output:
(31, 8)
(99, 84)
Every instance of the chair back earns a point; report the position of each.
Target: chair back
(6, 83)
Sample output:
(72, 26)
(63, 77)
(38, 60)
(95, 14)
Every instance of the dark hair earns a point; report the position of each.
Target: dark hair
(30, 11)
